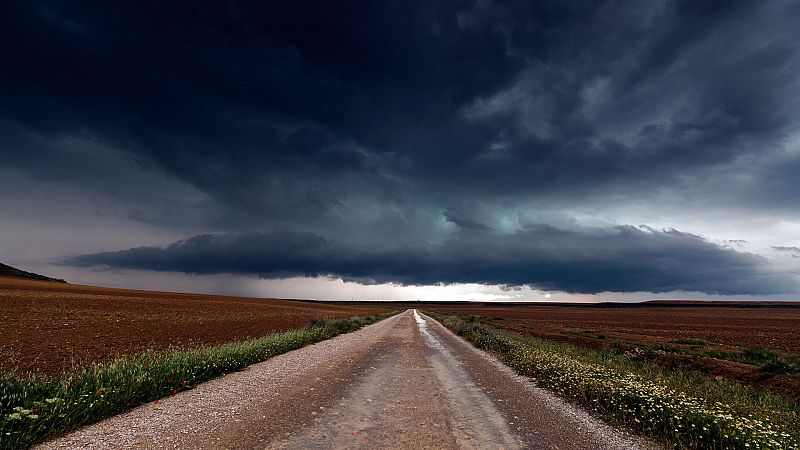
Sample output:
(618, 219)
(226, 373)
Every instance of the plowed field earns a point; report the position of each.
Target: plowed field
(695, 335)
(747, 325)
(49, 327)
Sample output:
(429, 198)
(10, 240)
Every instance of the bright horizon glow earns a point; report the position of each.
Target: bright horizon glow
(339, 290)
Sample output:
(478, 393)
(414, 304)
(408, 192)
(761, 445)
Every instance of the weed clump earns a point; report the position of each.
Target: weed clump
(768, 360)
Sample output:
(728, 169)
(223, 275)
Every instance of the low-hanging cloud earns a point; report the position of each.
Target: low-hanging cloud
(589, 260)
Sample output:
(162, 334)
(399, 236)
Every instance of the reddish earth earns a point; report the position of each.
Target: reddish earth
(746, 325)
(49, 327)
(731, 327)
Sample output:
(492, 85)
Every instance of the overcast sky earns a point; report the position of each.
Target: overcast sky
(484, 150)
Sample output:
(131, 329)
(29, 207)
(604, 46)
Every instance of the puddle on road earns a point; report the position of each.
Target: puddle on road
(477, 423)
(430, 340)
(419, 319)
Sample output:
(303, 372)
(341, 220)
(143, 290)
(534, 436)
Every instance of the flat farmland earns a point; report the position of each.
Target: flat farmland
(757, 344)
(50, 327)
(772, 326)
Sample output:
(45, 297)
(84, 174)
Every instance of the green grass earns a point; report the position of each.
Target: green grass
(769, 361)
(34, 408)
(677, 407)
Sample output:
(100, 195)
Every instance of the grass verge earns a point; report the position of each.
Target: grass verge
(680, 408)
(35, 408)
(769, 361)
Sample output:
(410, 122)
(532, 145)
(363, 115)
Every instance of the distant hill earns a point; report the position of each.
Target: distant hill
(8, 271)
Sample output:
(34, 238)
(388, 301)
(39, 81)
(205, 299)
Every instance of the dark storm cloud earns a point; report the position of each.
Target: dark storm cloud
(578, 261)
(399, 124)
(242, 99)
(464, 222)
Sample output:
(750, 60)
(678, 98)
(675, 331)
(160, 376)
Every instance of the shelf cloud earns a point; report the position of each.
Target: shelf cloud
(623, 258)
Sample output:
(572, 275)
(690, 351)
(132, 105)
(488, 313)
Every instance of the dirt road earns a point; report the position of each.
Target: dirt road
(406, 382)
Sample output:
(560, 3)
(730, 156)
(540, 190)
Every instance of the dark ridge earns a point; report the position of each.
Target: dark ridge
(8, 271)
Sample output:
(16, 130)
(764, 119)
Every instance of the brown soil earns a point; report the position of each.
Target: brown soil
(773, 327)
(49, 327)
(729, 328)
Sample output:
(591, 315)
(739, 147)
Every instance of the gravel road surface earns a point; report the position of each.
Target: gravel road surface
(405, 382)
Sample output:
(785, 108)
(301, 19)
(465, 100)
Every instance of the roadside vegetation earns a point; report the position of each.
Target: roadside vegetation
(34, 407)
(747, 350)
(675, 406)
(768, 361)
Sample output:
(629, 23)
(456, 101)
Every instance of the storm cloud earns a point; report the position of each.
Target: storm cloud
(573, 261)
(497, 142)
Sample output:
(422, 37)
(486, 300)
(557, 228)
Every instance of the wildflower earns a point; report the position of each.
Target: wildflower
(155, 402)
(100, 392)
